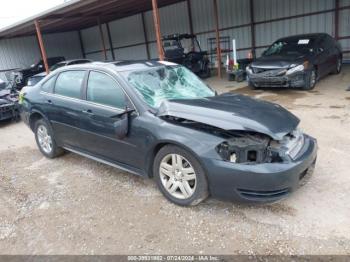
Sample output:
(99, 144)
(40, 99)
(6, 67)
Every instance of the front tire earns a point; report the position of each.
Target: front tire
(310, 80)
(45, 140)
(180, 176)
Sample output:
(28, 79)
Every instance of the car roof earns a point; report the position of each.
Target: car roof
(120, 66)
(303, 36)
(73, 60)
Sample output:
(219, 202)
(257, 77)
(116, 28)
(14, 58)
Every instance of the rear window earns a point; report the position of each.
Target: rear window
(69, 84)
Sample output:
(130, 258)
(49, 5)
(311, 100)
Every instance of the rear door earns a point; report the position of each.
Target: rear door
(66, 106)
(333, 53)
(105, 103)
(322, 56)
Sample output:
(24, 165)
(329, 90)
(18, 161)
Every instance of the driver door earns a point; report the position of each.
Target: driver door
(102, 113)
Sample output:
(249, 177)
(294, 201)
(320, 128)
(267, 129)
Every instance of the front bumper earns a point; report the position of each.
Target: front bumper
(261, 182)
(294, 80)
(8, 111)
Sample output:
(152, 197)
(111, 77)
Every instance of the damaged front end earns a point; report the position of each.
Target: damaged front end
(244, 147)
(275, 77)
(9, 107)
(266, 134)
(254, 148)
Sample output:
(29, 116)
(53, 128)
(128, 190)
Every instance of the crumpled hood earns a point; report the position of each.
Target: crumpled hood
(277, 61)
(234, 112)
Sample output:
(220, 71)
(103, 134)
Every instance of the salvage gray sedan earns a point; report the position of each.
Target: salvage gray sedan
(158, 120)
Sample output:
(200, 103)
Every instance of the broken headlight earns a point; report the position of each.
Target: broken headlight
(297, 68)
(291, 144)
(245, 148)
(258, 148)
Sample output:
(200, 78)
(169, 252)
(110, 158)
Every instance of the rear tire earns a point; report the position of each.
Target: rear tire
(310, 80)
(45, 140)
(339, 66)
(180, 177)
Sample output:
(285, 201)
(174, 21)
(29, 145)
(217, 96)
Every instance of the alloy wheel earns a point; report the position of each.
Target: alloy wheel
(313, 78)
(45, 140)
(178, 176)
(339, 64)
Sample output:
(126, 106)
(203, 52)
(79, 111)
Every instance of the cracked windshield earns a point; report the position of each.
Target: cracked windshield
(167, 83)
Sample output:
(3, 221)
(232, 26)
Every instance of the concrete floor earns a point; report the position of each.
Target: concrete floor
(73, 205)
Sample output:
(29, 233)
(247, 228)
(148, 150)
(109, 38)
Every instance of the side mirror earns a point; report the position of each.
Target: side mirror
(319, 50)
(121, 125)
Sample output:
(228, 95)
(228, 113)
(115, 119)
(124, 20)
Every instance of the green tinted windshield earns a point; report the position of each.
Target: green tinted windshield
(167, 83)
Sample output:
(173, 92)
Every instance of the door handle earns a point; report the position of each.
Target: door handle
(49, 102)
(88, 112)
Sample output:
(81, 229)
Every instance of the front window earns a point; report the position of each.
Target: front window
(290, 47)
(159, 84)
(103, 90)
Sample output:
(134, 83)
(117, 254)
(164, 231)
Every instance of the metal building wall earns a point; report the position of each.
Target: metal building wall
(92, 43)
(173, 19)
(129, 42)
(344, 26)
(273, 9)
(24, 51)
(232, 13)
(234, 22)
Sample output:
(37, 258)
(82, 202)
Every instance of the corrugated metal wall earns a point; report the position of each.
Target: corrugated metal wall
(24, 51)
(234, 20)
(129, 42)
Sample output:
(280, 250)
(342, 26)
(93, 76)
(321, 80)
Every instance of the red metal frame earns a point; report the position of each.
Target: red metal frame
(42, 46)
(157, 28)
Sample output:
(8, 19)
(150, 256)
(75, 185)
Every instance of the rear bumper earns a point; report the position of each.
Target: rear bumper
(261, 183)
(295, 80)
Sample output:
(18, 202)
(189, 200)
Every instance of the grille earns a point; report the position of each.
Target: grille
(263, 194)
(5, 108)
(258, 70)
(263, 72)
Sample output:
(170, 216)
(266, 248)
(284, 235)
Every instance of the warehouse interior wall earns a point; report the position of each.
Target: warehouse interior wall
(273, 18)
(131, 38)
(24, 51)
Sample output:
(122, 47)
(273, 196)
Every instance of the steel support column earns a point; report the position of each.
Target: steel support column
(104, 50)
(190, 20)
(110, 41)
(336, 19)
(157, 28)
(145, 35)
(41, 45)
(217, 32)
(252, 28)
(82, 48)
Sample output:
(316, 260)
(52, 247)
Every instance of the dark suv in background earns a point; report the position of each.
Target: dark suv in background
(21, 76)
(296, 61)
(33, 80)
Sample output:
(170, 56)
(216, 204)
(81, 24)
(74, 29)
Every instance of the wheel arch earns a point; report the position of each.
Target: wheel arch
(35, 116)
(157, 147)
